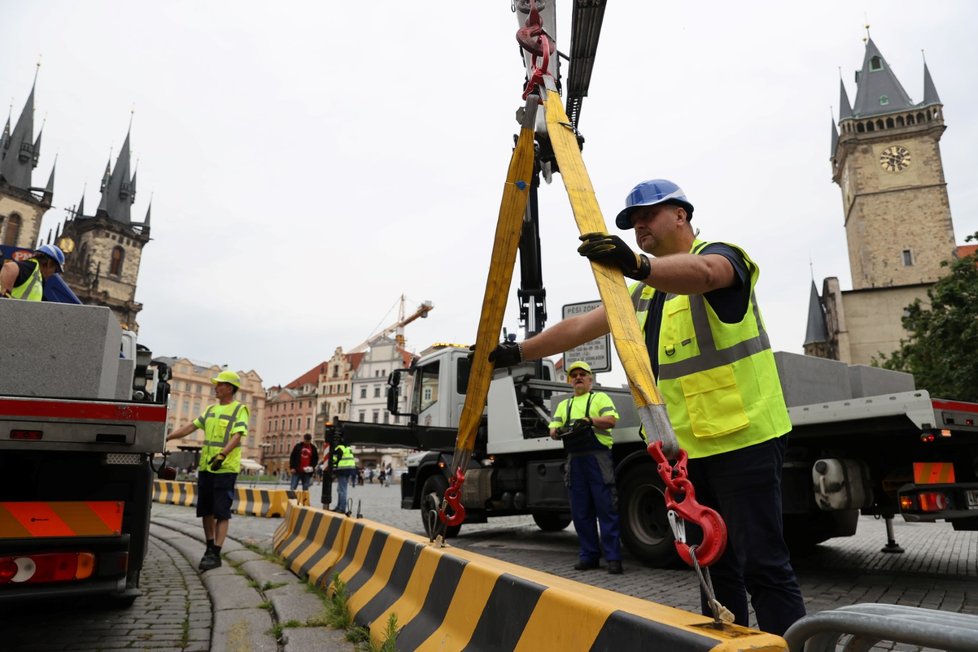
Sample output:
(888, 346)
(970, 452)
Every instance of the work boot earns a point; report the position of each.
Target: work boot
(614, 567)
(207, 553)
(210, 561)
(587, 564)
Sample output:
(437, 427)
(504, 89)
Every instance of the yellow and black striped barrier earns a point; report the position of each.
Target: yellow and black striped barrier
(175, 493)
(249, 501)
(453, 599)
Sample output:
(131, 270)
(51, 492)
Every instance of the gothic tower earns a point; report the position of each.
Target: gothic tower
(22, 206)
(886, 159)
(103, 250)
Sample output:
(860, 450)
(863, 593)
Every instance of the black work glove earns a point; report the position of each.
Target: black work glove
(506, 354)
(217, 462)
(581, 424)
(612, 249)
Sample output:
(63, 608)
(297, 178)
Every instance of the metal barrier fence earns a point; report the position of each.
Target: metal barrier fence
(859, 627)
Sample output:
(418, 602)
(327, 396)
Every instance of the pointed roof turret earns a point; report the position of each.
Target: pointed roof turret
(835, 139)
(930, 91)
(117, 192)
(5, 137)
(146, 221)
(845, 109)
(49, 188)
(19, 156)
(80, 209)
(879, 91)
(816, 333)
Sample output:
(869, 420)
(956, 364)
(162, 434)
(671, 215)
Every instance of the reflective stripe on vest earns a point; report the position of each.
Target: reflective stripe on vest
(603, 434)
(227, 430)
(346, 460)
(33, 288)
(720, 397)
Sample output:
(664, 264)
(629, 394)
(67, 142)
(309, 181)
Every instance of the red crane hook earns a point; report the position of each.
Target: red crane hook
(681, 498)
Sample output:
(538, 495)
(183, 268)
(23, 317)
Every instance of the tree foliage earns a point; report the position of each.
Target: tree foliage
(942, 350)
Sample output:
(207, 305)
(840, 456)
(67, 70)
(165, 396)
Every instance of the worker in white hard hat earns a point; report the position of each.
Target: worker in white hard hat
(713, 363)
(225, 424)
(25, 279)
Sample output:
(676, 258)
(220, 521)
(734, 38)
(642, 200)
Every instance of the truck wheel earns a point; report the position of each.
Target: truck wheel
(431, 493)
(550, 521)
(645, 528)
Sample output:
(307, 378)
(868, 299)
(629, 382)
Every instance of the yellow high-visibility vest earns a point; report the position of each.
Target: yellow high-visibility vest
(719, 381)
(33, 288)
(220, 423)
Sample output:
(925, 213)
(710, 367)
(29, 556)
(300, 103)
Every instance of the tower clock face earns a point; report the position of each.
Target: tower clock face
(895, 158)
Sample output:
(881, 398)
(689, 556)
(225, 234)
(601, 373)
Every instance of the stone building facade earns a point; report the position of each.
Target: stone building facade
(103, 251)
(290, 414)
(886, 161)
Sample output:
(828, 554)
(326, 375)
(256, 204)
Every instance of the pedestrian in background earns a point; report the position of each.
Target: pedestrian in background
(583, 423)
(345, 469)
(712, 359)
(302, 462)
(225, 424)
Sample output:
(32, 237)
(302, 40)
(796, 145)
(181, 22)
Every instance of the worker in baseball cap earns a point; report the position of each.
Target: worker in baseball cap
(225, 425)
(583, 423)
(24, 279)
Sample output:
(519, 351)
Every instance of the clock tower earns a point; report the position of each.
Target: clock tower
(886, 159)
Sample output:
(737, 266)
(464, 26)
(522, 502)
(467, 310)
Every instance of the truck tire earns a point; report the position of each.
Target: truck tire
(645, 528)
(551, 521)
(431, 493)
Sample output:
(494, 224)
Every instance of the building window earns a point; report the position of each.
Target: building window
(115, 265)
(884, 100)
(907, 258)
(363, 415)
(387, 417)
(363, 391)
(376, 391)
(12, 231)
(376, 416)
(876, 63)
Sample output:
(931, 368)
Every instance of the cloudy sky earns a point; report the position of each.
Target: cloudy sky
(310, 162)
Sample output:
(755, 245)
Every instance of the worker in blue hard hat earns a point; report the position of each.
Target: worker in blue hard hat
(712, 359)
(225, 424)
(25, 279)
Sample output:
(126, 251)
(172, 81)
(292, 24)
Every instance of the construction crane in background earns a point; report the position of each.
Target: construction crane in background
(397, 327)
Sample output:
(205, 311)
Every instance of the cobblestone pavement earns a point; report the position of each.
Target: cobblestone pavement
(939, 569)
(173, 613)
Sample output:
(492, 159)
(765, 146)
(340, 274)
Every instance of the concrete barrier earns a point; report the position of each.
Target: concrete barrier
(453, 599)
(249, 501)
(175, 493)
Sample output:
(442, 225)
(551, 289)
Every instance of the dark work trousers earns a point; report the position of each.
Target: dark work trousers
(745, 487)
(591, 479)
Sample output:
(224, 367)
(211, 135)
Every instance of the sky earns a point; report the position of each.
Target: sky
(309, 162)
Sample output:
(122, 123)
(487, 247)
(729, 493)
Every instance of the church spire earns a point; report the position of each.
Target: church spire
(49, 188)
(816, 332)
(845, 109)
(879, 91)
(19, 156)
(117, 189)
(930, 91)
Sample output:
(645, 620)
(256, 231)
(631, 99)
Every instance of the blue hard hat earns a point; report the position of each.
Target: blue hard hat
(650, 193)
(54, 253)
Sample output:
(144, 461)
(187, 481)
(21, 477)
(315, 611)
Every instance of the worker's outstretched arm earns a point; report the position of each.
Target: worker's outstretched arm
(676, 273)
(180, 433)
(558, 338)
